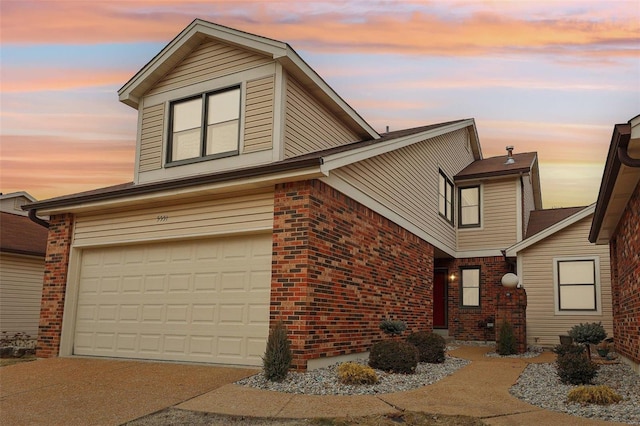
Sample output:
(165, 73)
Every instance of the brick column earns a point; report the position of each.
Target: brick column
(511, 306)
(56, 267)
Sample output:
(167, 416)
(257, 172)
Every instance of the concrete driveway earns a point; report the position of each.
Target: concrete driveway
(91, 391)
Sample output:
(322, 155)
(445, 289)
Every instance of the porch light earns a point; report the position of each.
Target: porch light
(510, 280)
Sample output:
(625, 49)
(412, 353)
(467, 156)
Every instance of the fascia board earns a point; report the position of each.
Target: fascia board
(341, 159)
(514, 249)
(196, 190)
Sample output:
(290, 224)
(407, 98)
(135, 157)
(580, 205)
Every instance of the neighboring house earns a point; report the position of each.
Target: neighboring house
(616, 222)
(260, 195)
(567, 279)
(22, 249)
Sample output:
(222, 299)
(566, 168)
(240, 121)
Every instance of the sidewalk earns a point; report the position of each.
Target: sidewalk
(481, 389)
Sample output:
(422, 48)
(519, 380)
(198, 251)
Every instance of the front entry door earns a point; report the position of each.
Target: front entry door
(440, 298)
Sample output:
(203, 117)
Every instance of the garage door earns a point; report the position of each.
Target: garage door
(199, 300)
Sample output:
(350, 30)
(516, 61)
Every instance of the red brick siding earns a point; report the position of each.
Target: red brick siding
(625, 280)
(464, 322)
(339, 269)
(511, 307)
(54, 285)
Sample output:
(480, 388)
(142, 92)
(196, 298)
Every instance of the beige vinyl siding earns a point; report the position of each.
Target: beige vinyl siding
(194, 218)
(537, 279)
(528, 202)
(210, 60)
(499, 218)
(258, 128)
(20, 293)
(309, 126)
(151, 138)
(406, 180)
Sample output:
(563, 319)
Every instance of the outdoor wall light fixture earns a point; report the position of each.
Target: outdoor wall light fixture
(452, 277)
(510, 280)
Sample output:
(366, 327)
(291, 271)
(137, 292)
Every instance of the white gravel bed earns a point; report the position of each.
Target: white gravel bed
(539, 385)
(528, 354)
(324, 381)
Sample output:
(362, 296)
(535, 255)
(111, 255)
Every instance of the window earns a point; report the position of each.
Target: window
(469, 207)
(206, 126)
(470, 286)
(576, 284)
(445, 197)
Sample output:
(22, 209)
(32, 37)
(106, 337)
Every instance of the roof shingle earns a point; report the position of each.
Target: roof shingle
(18, 234)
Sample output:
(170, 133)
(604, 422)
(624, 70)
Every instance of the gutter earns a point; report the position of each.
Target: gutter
(36, 219)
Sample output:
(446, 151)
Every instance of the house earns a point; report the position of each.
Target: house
(616, 223)
(260, 195)
(566, 278)
(22, 249)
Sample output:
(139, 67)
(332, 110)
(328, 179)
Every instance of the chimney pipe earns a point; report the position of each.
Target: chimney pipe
(510, 159)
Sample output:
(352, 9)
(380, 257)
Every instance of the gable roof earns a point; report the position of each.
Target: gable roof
(19, 235)
(496, 166)
(620, 177)
(581, 213)
(319, 162)
(199, 30)
(539, 220)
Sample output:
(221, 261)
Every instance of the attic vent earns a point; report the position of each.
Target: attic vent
(510, 159)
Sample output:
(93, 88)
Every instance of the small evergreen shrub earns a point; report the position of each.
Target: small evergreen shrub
(601, 395)
(565, 349)
(277, 357)
(394, 356)
(575, 369)
(351, 373)
(506, 340)
(392, 327)
(588, 333)
(430, 346)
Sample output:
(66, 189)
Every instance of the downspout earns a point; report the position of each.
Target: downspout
(36, 219)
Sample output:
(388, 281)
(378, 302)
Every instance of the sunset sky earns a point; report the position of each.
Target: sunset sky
(546, 76)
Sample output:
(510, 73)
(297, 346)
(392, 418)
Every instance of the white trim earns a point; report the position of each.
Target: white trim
(520, 270)
(279, 113)
(478, 253)
(514, 249)
(136, 166)
(68, 327)
(357, 195)
(519, 184)
(556, 301)
(345, 158)
(18, 194)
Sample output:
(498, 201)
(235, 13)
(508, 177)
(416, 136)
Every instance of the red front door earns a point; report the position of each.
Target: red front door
(440, 298)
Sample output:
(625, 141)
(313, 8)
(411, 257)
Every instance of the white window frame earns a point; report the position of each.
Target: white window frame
(556, 286)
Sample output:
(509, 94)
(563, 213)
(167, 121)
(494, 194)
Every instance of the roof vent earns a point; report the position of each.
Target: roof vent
(510, 159)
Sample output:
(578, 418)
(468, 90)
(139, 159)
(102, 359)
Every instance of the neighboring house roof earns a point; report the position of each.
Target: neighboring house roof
(12, 202)
(552, 228)
(539, 220)
(496, 166)
(322, 161)
(19, 235)
(281, 52)
(620, 177)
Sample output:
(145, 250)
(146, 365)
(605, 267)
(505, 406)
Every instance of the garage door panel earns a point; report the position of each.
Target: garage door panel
(187, 301)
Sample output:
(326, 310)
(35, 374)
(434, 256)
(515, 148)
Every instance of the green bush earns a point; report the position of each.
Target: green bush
(575, 369)
(602, 395)
(394, 356)
(506, 340)
(351, 373)
(277, 357)
(565, 349)
(393, 328)
(430, 346)
(593, 333)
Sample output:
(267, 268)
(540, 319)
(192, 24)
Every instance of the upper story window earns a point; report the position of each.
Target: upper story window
(576, 284)
(469, 207)
(445, 197)
(206, 126)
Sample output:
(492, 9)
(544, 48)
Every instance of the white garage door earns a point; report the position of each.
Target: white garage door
(199, 300)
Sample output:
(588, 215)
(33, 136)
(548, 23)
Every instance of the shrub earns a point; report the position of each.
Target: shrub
(393, 328)
(587, 333)
(565, 349)
(277, 357)
(506, 340)
(575, 369)
(351, 373)
(430, 346)
(394, 356)
(602, 395)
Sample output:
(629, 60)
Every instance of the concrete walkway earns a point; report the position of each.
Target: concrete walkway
(481, 389)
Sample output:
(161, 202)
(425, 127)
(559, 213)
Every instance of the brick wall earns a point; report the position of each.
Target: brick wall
(625, 280)
(464, 322)
(511, 306)
(56, 266)
(339, 269)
